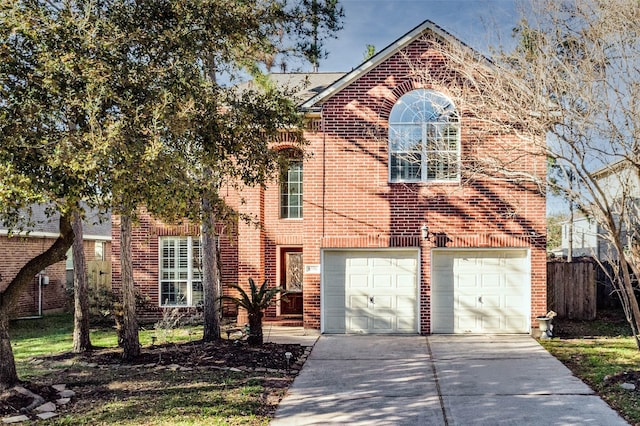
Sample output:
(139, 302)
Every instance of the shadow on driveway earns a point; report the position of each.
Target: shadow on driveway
(438, 380)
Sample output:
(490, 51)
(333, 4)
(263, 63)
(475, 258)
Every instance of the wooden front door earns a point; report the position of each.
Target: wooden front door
(291, 270)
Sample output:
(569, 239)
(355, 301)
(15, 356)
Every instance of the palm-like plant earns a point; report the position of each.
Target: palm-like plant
(255, 303)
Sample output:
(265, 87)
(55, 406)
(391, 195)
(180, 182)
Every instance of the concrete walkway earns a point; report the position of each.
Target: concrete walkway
(438, 380)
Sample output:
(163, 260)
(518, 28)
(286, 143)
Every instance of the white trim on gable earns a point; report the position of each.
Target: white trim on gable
(380, 57)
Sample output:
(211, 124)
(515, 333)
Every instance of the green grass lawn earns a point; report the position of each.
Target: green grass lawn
(133, 395)
(596, 349)
(53, 335)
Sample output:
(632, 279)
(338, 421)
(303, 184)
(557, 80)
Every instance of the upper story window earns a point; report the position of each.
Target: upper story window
(291, 190)
(180, 271)
(424, 138)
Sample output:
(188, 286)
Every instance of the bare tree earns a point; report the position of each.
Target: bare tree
(583, 57)
(568, 95)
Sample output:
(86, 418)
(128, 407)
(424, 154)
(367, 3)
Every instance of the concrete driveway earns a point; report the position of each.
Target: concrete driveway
(438, 380)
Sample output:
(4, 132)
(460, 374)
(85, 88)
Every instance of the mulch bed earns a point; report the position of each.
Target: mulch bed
(222, 354)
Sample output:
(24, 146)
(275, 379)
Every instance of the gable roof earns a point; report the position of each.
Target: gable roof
(95, 226)
(378, 58)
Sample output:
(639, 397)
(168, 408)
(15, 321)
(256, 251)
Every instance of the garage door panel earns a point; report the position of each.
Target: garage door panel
(381, 262)
(357, 324)
(358, 302)
(514, 301)
(383, 323)
(466, 323)
(405, 324)
(492, 302)
(354, 262)
(491, 324)
(491, 281)
(466, 302)
(515, 323)
(382, 281)
(406, 282)
(383, 302)
(467, 281)
(358, 281)
(487, 290)
(405, 304)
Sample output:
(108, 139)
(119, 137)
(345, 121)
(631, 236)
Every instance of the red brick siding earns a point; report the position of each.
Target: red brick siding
(15, 252)
(349, 203)
(361, 209)
(145, 252)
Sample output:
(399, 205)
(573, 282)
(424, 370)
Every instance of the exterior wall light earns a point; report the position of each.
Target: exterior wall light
(424, 231)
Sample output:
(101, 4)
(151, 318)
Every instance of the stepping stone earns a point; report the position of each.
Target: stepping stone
(67, 393)
(628, 386)
(47, 406)
(59, 387)
(15, 419)
(63, 401)
(46, 415)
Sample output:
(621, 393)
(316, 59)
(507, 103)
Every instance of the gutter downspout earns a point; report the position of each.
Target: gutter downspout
(39, 316)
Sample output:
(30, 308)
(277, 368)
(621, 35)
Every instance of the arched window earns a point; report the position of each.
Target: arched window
(424, 138)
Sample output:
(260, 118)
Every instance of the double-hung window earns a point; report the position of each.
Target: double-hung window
(180, 271)
(424, 138)
(291, 190)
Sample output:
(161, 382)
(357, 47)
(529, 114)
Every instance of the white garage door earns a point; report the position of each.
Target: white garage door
(480, 291)
(370, 291)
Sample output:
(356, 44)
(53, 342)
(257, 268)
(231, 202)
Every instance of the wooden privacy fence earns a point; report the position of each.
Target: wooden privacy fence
(571, 289)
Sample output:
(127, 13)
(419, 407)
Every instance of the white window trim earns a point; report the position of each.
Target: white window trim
(423, 160)
(301, 194)
(189, 280)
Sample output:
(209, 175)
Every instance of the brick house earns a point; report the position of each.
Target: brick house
(379, 227)
(47, 292)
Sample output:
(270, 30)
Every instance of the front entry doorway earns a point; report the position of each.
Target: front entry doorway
(291, 274)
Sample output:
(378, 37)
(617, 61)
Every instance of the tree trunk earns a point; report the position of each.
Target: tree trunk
(210, 274)
(632, 308)
(255, 329)
(8, 298)
(130, 341)
(81, 340)
(8, 374)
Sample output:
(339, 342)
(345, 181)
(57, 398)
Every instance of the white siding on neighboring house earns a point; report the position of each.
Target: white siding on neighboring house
(616, 181)
(585, 237)
(622, 181)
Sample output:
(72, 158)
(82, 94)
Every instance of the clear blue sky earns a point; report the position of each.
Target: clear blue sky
(478, 23)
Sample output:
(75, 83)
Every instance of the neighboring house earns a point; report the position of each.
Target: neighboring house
(584, 242)
(48, 291)
(379, 229)
(617, 181)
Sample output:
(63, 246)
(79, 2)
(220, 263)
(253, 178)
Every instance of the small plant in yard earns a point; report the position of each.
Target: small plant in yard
(171, 319)
(255, 304)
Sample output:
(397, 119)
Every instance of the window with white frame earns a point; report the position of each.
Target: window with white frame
(424, 138)
(180, 271)
(98, 250)
(291, 190)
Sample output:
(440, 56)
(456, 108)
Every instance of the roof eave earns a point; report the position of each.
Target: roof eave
(380, 57)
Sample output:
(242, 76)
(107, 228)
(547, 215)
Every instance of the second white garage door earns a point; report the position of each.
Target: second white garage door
(480, 291)
(370, 291)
